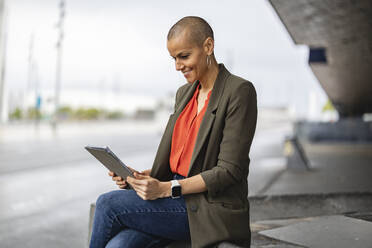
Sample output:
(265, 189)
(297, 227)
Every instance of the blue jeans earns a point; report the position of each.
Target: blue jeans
(123, 219)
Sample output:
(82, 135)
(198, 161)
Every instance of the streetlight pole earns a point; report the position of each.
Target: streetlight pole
(3, 39)
(59, 63)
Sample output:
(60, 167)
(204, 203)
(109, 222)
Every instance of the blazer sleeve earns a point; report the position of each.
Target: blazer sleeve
(238, 132)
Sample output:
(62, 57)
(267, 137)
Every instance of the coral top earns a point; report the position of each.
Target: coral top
(184, 135)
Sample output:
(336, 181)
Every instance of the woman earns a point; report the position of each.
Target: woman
(197, 187)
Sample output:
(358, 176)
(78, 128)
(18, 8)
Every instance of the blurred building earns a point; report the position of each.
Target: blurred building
(127, 103)
(338, 34)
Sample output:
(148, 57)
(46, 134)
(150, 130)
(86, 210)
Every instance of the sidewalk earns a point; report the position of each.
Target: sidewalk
(329, 205)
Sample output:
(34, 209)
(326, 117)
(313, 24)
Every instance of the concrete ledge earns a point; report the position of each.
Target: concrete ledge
(188, 245)
(291, 206)
(295, 206)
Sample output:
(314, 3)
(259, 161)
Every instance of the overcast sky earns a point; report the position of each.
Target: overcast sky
(115, 44)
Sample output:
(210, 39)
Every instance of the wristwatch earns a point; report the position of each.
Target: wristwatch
(176, 189)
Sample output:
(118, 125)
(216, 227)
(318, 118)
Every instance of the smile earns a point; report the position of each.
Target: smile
(186, 73)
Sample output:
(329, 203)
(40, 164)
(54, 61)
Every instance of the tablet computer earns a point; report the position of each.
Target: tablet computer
(110, 161)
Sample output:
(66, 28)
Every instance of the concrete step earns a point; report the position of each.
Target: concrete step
(295, 206)
(182, 244)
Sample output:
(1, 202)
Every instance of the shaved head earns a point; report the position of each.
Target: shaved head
(196, 28)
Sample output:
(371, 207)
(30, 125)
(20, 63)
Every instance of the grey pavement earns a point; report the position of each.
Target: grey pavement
(48, 181)
(320, 207)
(335, 168)
(325, 231)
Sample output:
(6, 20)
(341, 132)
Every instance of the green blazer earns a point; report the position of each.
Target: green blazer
(221, 156)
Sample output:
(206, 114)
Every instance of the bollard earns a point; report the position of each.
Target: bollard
(295, 154)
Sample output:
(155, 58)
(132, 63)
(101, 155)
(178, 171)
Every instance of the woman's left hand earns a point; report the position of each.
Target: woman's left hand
(149, 188)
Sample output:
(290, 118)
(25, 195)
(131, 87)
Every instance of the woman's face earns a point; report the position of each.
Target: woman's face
(190, 59)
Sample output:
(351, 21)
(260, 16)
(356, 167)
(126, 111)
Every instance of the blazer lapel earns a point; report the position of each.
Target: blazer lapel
(210, 113)
(161, 168)
(185, 99)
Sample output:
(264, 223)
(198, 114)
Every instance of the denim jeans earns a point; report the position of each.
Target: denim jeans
(123, 219)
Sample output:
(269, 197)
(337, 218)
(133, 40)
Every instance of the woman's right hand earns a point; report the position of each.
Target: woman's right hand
(122, 184)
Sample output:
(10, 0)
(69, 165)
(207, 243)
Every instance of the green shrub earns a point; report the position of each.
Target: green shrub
(16, 114)
(87, 113)
(33, 113)
(65, 112)
(114, 115)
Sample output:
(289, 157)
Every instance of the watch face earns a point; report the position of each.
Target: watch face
(176, 191)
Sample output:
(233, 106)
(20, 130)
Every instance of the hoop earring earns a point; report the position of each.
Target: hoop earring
(208, 60)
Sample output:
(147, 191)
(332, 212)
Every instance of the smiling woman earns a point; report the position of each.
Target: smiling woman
(197, 187)
(191, 45)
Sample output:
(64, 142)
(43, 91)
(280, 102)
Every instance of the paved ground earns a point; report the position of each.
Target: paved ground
(329, 205)
(47, 181)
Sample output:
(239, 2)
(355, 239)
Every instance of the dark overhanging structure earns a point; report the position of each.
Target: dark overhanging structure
(339, 36)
